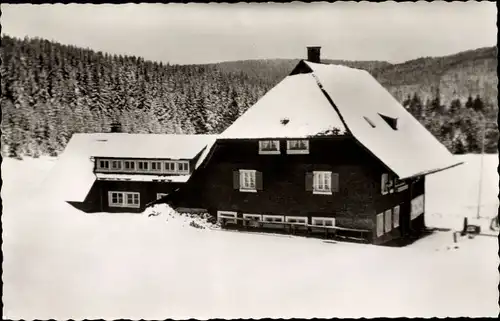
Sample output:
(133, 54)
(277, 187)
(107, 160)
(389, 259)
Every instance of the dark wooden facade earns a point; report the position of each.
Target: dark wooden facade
(283, 192)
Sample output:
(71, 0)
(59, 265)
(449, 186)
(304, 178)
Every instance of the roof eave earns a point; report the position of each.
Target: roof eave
(433, 171)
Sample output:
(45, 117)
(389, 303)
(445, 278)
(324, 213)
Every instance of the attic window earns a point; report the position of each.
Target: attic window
(369, 121)
(392, 122)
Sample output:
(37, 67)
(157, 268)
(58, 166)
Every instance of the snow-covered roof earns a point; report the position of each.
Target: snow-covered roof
(298, 100)
(124, 145)
(410, 149)
(361, 102)
(72, 176)
(143, 178)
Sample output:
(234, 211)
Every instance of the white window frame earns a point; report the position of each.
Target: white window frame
(124, 199)
(168, 166)
(158, 165)
(380, 224)
(106, 161)
(160, 195)
(388, 220)
(129, 162)
(273, 218)
(291, 219)
(116, 161)
(322, 221)
(396, 215)
(228, 215)
(256, 217)
(142, 169)
(184, 170)
(263, 147)
(320, 185)
(252, 176)
(294, 150)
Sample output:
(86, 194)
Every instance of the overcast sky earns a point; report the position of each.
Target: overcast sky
(200, 33)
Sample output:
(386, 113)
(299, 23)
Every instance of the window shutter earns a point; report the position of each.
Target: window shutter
(309, 182)
(335, 182)
(384, 180)
(258, 181)
(236, 179)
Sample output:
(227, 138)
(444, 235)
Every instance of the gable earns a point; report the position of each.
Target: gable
(296, 107)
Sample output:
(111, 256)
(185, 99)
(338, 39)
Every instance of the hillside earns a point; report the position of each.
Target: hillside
(50, 91)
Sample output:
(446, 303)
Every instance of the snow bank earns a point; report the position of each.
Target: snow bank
(176, 219)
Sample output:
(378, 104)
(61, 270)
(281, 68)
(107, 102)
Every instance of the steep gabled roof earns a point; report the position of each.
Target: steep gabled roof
(370, 113)
(318, 97)
(296, 101)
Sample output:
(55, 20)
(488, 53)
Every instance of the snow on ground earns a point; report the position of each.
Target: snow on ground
(60, 263)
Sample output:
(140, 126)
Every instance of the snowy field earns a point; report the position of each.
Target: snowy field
(60, 263)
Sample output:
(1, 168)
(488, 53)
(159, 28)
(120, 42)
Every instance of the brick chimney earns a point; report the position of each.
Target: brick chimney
(314, 54)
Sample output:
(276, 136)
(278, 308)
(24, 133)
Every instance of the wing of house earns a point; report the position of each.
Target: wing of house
(74, 174)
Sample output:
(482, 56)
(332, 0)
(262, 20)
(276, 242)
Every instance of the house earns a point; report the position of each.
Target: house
(328, 150)
(120, 172)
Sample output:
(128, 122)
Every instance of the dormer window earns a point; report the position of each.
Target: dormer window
(269, 147)
(297, 146)
(183, 167)
(392, 122)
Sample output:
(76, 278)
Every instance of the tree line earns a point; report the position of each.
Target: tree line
(50, 91)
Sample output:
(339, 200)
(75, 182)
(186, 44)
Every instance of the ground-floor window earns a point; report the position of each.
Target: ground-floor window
(296, 219)
(380, 224)
(124, 199)
(230, 217)
(388, 221)
(395, 218)
(251, 218)
(323, 221)
(273, 218)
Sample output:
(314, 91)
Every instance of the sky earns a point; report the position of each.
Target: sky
(205, 33)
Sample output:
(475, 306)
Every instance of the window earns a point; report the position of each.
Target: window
(142, 165)
(380, 224)
(388, 221)
(247, 180)
(103, 164)
(385, 183)
(160, 195)
(129, 165)
(323, 221)
(124, 199)
(116, 164)
(269, 147)
(183, 167)
(273, 218)
(368, 120)
(395, 218)
(417, 206)
(156, 166)
(322, 182)
(170, 167)
(391, 121)
(296, 219)
(297, 147)
(230, 217)
(251, 218)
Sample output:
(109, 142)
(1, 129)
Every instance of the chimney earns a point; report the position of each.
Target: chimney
(116, 128)
(313, 54)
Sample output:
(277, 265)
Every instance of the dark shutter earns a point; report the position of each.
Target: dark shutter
(236, 179)
(258, 181)
(335, 182)
(309, 182)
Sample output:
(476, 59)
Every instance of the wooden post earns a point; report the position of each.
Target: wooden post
(466, 223)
